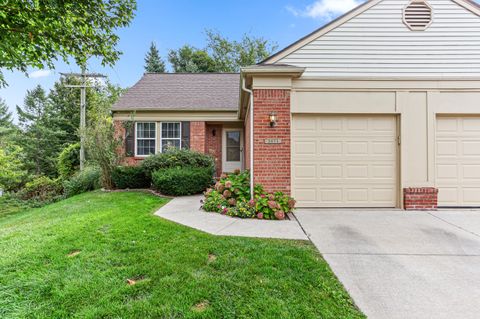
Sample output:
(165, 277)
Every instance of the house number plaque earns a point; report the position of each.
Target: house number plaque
(273, 141)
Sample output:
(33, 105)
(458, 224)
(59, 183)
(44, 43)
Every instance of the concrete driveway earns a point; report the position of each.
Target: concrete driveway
(398, 264)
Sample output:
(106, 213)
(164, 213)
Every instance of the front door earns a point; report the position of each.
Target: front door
(232, 149)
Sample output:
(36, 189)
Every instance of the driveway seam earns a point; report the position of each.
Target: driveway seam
(456, 226)
(401, 254)
(303, 229)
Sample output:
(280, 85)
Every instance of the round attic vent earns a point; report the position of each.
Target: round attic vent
(418, 15)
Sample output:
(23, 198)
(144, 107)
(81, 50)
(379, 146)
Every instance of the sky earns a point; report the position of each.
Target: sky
(173, 23)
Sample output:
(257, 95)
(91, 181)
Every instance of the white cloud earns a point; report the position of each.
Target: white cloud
(325, 9)
(39, 74)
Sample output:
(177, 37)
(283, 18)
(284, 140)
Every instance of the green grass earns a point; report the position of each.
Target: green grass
(117, 237)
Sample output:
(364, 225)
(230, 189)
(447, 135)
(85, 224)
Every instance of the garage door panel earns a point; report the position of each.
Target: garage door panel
(458, 160)
(355, 161)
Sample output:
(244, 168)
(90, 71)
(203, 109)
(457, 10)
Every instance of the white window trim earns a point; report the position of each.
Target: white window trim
(161, 134)
(136, 138)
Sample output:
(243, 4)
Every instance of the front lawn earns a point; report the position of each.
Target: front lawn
(74, 259)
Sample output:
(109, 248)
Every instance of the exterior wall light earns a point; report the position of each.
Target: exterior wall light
(273, 119)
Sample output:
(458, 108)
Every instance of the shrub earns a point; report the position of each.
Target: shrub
(231, 196)
(69, 161)
(130, 177)
(177, 158)
(43, 189)
(182, 181)
(85, 181)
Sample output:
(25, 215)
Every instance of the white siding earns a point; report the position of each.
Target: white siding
(377, 43)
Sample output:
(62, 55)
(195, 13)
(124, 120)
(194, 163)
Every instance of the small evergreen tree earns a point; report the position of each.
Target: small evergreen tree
(41, 139)
(6, 122)
(153, 61)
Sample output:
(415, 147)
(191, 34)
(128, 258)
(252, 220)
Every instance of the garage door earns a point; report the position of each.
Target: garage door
(458, 161)
(344, 161)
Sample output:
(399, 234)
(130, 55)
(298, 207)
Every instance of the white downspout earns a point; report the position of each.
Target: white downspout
(250, 109)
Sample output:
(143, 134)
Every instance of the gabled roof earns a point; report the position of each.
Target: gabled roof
(182, 92)
(470, 5)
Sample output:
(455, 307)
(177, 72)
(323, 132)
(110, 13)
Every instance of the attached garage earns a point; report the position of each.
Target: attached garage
(458, 161)
(345, 160)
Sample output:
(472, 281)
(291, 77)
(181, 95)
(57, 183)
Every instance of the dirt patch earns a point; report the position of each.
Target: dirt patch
(135, 280)
(211, 258)
(73, 253)
(201, 306)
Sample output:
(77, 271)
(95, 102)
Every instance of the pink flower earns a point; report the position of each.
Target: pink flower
(263, 196)
(228, 184)
(251, 203)
(232, 202)
(209, 191)
(220, 187)
(225, 211)
(272, 204)
(223, 176)
(271, 197)
(260, 215)
(279, 215)
(227, 194)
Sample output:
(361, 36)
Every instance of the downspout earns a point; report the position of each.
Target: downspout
(250, 109)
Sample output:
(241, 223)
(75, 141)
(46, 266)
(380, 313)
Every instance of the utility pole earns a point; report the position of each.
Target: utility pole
(83, 106)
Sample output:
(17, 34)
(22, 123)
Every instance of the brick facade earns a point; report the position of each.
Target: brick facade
(272, 161)
(197, 136)
(120, 134)
(214, 145)
(420, 198)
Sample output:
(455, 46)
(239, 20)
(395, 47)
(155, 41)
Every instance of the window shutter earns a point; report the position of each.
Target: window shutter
(185, 135)
(130, 139)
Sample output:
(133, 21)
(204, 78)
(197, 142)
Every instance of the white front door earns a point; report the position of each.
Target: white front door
(232, 149)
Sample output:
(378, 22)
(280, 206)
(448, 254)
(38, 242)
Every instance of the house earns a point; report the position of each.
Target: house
(379, 108)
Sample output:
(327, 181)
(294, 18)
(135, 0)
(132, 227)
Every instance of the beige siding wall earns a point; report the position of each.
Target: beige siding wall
(377, 43)
(416, 104)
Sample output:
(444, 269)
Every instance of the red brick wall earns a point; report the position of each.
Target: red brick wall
(197, 136)
(214, 145)
(420, 198)
(247, 141)
(120, 134)
(272, 161)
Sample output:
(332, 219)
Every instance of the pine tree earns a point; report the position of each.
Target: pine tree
(153, 61)
(5, 115)
(41, 139)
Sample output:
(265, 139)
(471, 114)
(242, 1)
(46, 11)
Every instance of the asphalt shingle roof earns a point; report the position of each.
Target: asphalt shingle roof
(182, 91)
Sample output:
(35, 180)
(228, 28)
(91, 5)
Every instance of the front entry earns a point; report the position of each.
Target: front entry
(232, 149)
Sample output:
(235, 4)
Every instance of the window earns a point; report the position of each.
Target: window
(146, 136)
(171, 135)
(233, 146)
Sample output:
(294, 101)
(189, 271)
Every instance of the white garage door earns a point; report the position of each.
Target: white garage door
(344, 161)
(458, 161)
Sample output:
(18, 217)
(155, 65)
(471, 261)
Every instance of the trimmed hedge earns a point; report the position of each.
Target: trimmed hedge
(182, 181)
(82, 182)
(130, 177)
(177, 158)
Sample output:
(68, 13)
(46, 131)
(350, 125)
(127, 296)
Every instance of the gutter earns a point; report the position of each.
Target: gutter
(250, 109)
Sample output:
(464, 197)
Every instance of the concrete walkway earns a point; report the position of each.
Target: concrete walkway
(398, 264)
(186, 211)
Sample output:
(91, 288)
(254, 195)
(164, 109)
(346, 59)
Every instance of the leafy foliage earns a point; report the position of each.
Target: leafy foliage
(40, 138)
(43, 189)
(188, 59)
(69, 160)
(179, 181)
(231, 196)
(130, 177)
(177, 158)
(38, 33)
(153, 61)
(85, 181)
(12, 172)
(101, 142)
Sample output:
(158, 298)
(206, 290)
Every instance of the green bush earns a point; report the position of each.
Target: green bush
(231, 196)
(41, 189)
(85, 181)
(182, 181)
(130, 177)
(69, 161)
(177, 158)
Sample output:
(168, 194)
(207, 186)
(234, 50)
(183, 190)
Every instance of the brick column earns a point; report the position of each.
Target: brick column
(272, 158)
(197, 136)
(420, 198)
